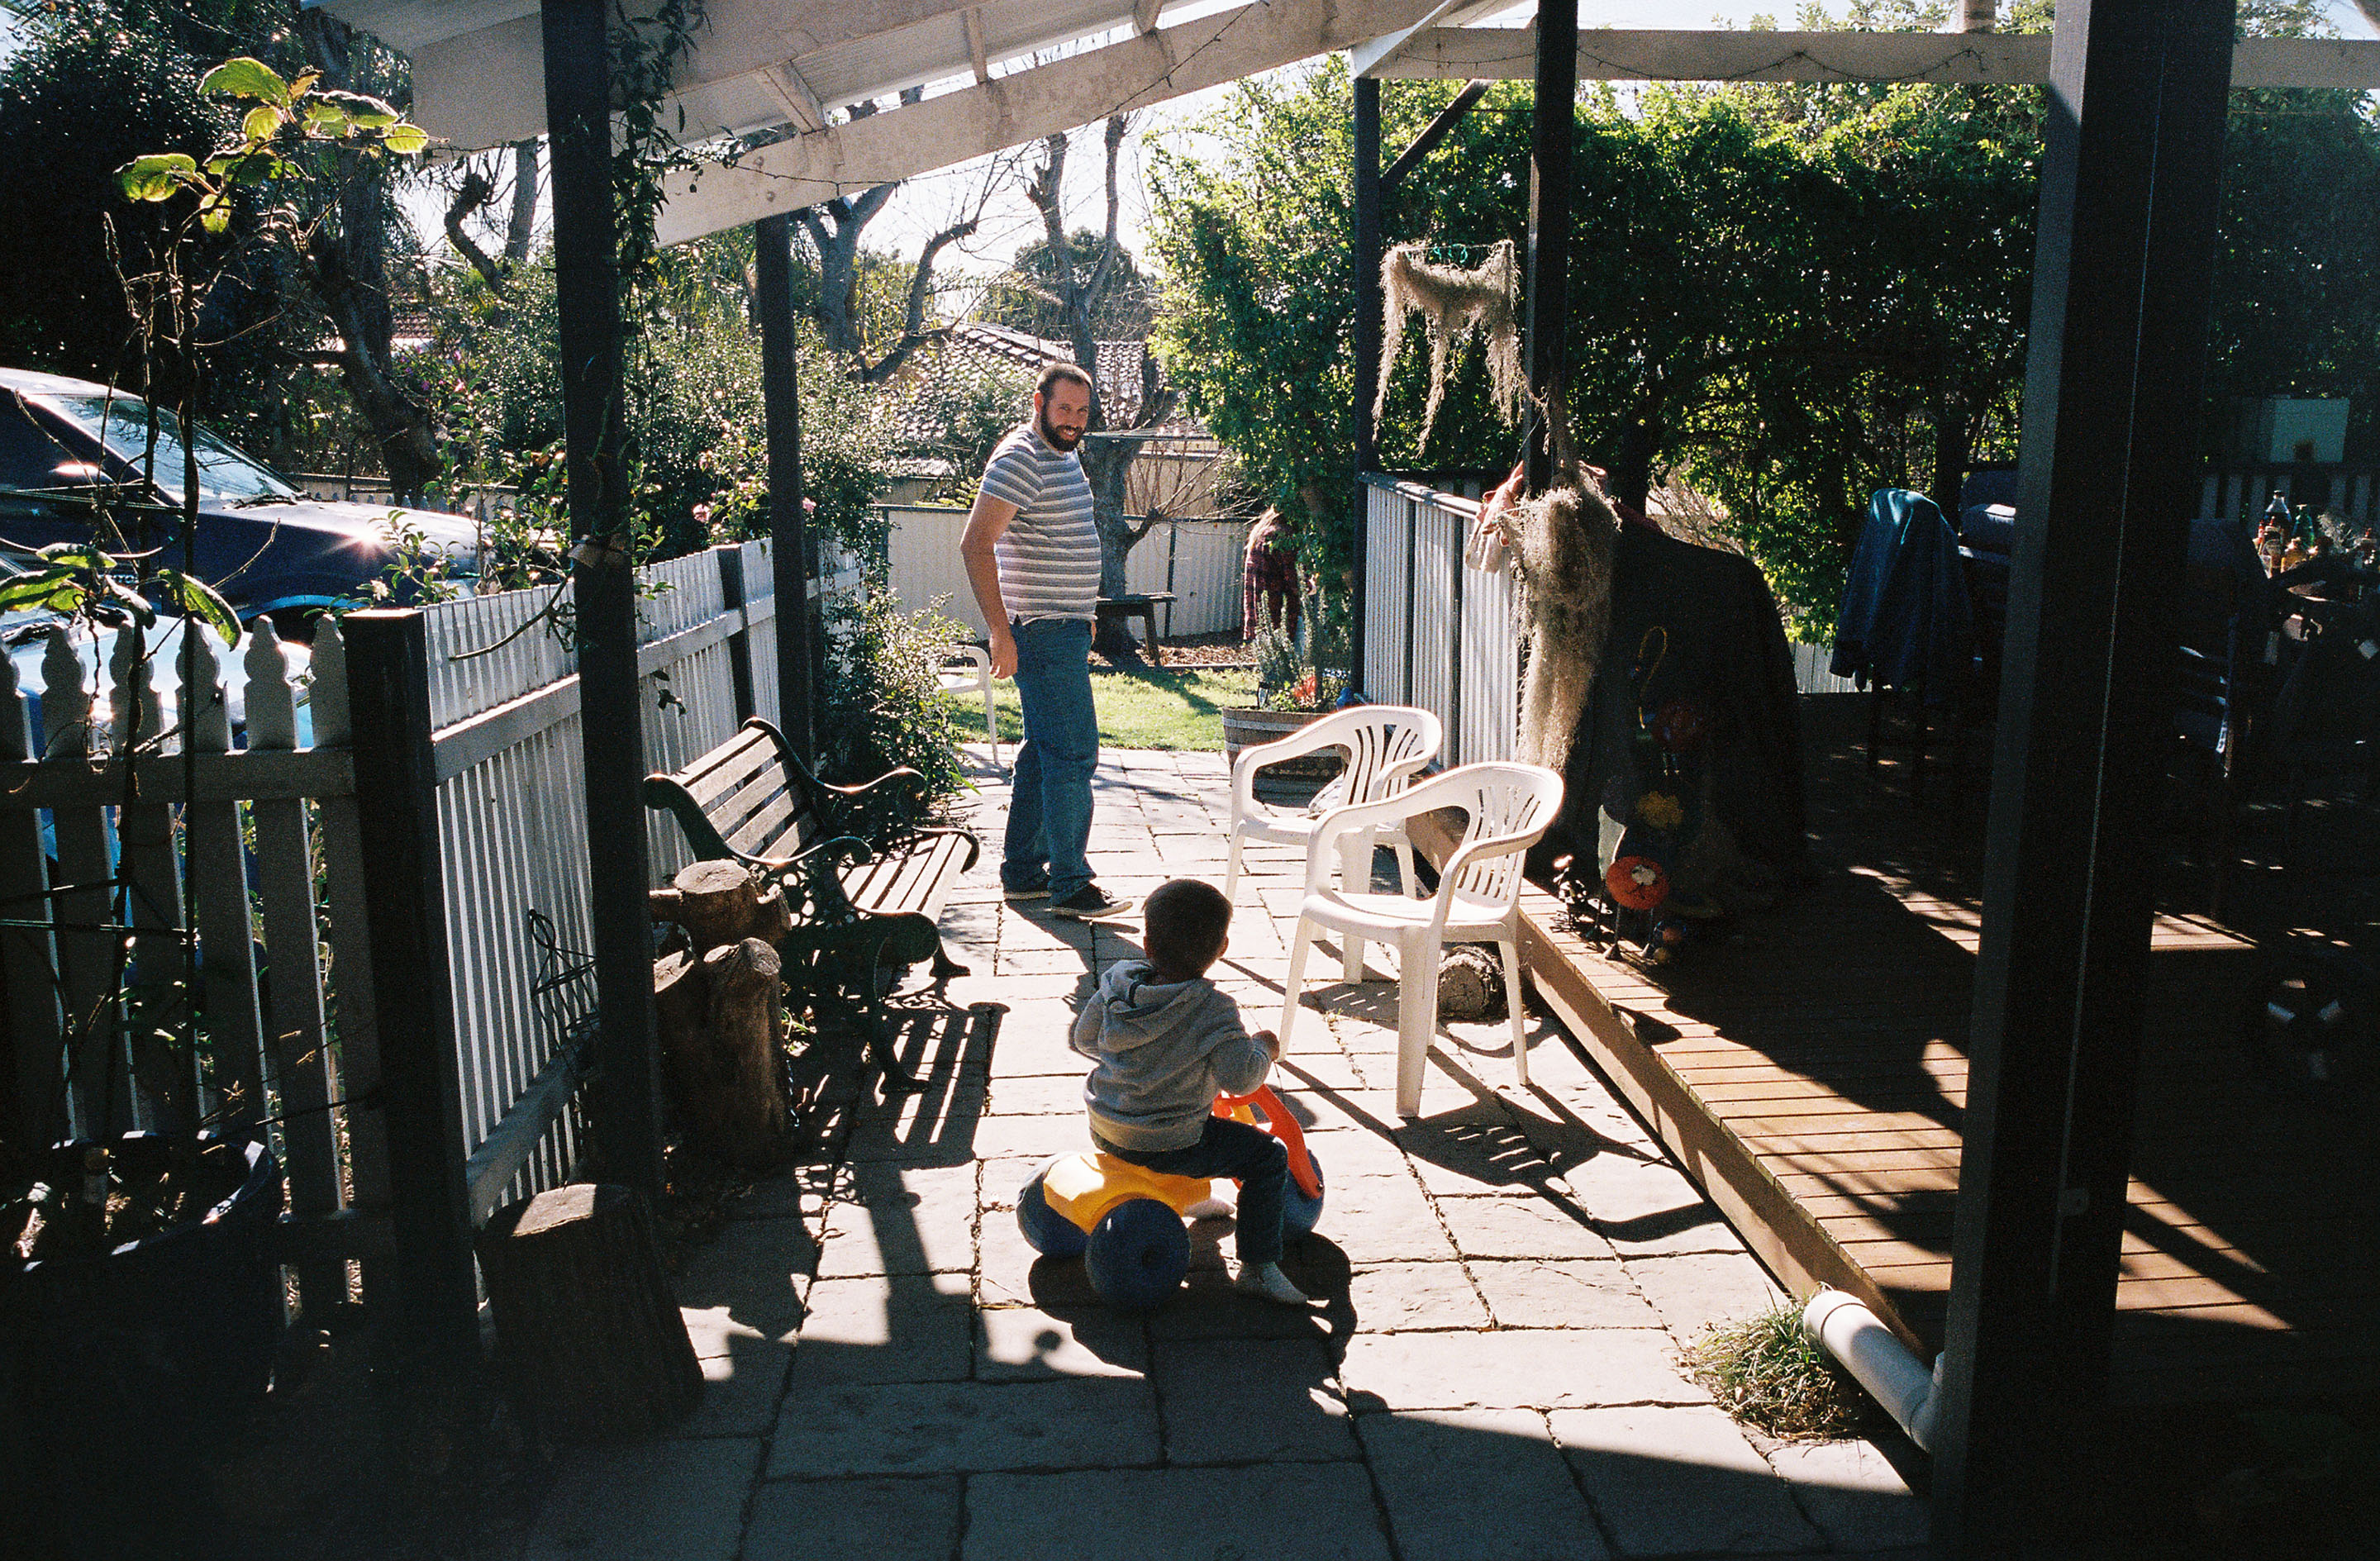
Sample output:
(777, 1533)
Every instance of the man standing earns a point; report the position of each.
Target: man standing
(1032, 555)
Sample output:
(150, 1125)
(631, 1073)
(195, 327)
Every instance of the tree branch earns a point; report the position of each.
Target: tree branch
(475, 192)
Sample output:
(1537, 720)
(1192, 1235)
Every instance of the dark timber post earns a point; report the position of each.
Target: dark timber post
(1367, 343)
(1556, 124)
(435, 1326)
(625, 1127)
(2122, 279)
(789, 531)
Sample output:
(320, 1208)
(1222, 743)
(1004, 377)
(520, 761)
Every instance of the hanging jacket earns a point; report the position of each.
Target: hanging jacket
(1905, 622)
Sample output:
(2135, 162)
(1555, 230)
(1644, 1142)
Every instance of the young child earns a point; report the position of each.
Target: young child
(1166, 1041)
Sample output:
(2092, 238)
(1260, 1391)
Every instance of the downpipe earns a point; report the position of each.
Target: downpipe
(1843, 1328)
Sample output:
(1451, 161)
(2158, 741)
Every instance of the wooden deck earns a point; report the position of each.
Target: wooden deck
(1811, 1073)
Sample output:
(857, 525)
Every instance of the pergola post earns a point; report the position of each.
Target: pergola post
(1368, 341)
(2122, 281)
(1555, 127)
(791, 554)
(625, 1095)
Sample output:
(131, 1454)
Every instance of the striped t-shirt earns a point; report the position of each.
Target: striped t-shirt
(1050, 554)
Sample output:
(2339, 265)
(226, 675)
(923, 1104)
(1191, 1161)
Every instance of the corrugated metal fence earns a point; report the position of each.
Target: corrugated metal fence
(1199, 561)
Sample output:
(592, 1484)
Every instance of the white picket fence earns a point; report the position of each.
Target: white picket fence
(1200, 561)
(284, 890)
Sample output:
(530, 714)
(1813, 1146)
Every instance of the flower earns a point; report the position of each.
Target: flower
(1660, 811)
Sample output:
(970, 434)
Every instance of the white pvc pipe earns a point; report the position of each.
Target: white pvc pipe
(1843, 1326)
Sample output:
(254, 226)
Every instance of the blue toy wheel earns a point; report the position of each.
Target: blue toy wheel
(1045, 1228)
(1300, 1214)
(1139, 1252)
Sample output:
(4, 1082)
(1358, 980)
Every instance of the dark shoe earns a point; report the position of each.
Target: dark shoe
(1092, 903)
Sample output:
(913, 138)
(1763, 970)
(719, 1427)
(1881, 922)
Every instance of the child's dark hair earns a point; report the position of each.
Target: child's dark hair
(1183, 927)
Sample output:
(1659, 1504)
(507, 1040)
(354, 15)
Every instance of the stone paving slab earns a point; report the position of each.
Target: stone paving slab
(1518, 1368)
(1251, 1400)
(1478, 1485)
(1520, 1227)
(1415, 1297)
(1024, 1344)
(881, 1520)
(910, 1327)
(1680, 1481)
(966, 1427)
(1854, 1494)
(653, 1501)
(1553, 1293)
(1280, 1512)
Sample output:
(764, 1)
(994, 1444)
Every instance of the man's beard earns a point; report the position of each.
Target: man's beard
(1059, 438)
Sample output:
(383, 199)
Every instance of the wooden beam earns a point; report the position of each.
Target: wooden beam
(1143, 15)
(1446, 13)
(1082, 90)
(2123, 285)
(1944, 58)
(791, 550)
(977, 54)
(1554, 124)
(1434, 132)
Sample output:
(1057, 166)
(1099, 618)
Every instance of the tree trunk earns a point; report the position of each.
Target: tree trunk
(590, 1338)
(523, 226)
(717, 1012)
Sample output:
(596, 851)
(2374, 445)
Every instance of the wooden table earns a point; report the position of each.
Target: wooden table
(1142, 606)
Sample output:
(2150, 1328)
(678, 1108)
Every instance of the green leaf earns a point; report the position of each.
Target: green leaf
(44, 589)
(261, 122)
(143, 612)
(323, 114)
(201, 601)
(407, 139)
(155, 177)
(371, 112)
(77, 555)
(215, 212)
(245, 78)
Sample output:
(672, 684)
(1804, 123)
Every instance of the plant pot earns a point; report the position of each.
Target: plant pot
(181, 1324)
(1245, 729)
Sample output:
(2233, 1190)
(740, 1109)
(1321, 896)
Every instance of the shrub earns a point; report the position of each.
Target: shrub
(1768, 1374)
(882, 704)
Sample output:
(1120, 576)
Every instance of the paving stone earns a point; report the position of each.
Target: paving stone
(1011, 1273)
(1693, 1293)
(652, 1501)
(1381, 1219)
(1209, 1308)
(1048, 1095)
(1478, 1485)
(1355, 1152)
(1243, 1400)
(1282, 1512)
(1680, 1481)
(1852, 1493)
(1518, 1228)
(1022, 1344)
(906, 1219)
(1649, 1208)
(780, 1196)
(1032, 1137)
(1535, 1293)
(966, 1427)
(1519, 1368)
(1405, 1297)
(741, 1386)
(748, 1281)
(881, 1520)
(911, 1327)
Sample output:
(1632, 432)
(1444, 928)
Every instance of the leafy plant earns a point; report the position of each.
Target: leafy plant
(1766, 1373)
(883, 705)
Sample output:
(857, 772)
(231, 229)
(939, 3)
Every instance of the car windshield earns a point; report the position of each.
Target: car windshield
(223, 473)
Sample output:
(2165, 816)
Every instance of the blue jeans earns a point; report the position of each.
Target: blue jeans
(1255, 1157)
(1050, 794)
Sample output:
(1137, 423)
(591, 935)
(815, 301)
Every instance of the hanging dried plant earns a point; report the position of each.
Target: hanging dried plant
(1453, 301)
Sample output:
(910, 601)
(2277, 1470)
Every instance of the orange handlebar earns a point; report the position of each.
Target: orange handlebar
(1284, 1127)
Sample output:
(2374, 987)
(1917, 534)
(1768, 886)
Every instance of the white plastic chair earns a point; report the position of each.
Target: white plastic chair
(977, 674)
(1507, 807)
(1387, 746)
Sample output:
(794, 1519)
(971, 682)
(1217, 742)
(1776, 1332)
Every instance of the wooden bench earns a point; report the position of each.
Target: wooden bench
(857, 904)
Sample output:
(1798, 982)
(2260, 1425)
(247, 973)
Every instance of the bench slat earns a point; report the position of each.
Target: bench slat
(728, 767)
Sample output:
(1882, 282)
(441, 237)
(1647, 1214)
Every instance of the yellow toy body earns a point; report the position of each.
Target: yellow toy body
(1081, 1188)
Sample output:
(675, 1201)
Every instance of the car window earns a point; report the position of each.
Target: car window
(224, 472)
(29, 455)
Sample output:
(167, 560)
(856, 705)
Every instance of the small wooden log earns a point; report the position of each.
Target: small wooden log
(590, 1338)
(731, 1091)
(681, 1002)
(1470, 982)
(717, 902)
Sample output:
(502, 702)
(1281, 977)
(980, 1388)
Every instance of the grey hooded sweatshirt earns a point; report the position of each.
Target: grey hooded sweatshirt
(1163, 1051)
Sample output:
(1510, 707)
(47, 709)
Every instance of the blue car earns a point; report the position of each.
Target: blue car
(269, 549)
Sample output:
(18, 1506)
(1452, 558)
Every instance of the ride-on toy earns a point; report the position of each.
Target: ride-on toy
(1124, 1222)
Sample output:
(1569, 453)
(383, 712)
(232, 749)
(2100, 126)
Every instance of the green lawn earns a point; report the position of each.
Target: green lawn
(1154, 708)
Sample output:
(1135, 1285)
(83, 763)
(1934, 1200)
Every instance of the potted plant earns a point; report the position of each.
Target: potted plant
(1300, 676)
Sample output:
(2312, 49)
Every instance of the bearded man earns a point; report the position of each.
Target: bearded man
(1032, 556)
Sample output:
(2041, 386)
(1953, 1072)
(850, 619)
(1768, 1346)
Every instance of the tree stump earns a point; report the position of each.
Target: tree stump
(1471, 983)
(590, 1338)
(716, 1006)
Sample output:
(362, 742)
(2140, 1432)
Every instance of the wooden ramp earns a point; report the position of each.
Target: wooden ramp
(1811, 1074)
